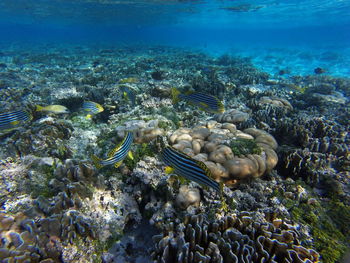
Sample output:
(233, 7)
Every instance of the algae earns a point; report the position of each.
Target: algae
(41, 185)
(329, 224)
(142, 150)
(241, 147)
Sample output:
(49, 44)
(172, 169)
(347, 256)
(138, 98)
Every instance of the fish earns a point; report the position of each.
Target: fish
(116, 155)
(185, 166)
(11, 120)
(202, 100)
(57, 109)
(92, 108)
(128, 93)
(319, 70)
(128, 80)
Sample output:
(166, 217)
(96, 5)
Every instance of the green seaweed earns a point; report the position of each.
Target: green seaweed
(101, 247)
(163, 125)
(327, 219)
(241, 147)
(43, 188)
(329, 224)
(63, 151)
(142, 150)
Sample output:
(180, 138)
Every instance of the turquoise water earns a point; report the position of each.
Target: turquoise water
(307, 31)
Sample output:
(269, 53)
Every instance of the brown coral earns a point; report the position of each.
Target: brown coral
(234, 238)
(211, 143)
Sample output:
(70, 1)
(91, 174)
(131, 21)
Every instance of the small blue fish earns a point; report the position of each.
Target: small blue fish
(117, 155)
(187, 167)
(128, 93)
(11, 120)
(92, 108)
(204, 101)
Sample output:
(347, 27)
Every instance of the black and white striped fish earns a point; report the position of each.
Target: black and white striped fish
(188, 167)
(11, 120)
(117, 155)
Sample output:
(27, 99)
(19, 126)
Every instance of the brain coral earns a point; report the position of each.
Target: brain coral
(230, 154)
(236, 238)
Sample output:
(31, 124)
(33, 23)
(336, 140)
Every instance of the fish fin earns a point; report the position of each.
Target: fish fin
(182, 180)
(113, 151)
(204, 105)
(96, 161)
(224, 205)
(88, 117)
(130, 155)
(175, 95)
(221, 107)
(125, 96)
(189, 92)
(116, 165)
(14, 122)
(169, 170)
(38, 108)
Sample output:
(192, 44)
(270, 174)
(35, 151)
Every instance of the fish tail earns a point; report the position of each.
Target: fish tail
(38, 108)
(130, 155)
(221, 107)
(175, 95)
(100, 108)
(29, 115)
(169, 170)
(125, 95)
(96, 161)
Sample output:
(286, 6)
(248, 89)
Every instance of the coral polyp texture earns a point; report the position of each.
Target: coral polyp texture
(232, 238)
(231, 155)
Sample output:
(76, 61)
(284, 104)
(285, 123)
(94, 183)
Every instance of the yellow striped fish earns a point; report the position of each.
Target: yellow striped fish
(92, 108)
(117, 155)
(202, 100)
(11, 120)
(185, 166)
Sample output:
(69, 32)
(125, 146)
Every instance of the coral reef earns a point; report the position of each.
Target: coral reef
(232, 116)
(233, 238)
(230, 154)
(57, 207)
(143, 131)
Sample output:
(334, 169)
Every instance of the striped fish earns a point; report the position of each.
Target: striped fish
(128, 94)
(92, 108)
(189, 168)
(11, 120)
(204, 101)
(117, 155)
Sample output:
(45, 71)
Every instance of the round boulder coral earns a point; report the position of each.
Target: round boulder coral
(230, 154)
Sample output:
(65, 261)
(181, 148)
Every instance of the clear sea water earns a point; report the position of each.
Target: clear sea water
(296, 34)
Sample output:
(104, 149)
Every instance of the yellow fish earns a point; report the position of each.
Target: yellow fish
(128, 80)
(57, 109)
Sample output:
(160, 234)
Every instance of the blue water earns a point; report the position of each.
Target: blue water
(298, 34)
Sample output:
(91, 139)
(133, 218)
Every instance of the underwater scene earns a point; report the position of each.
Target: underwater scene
(175, 131)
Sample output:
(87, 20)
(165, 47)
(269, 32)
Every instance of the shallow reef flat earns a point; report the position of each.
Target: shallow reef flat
(280, 151)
